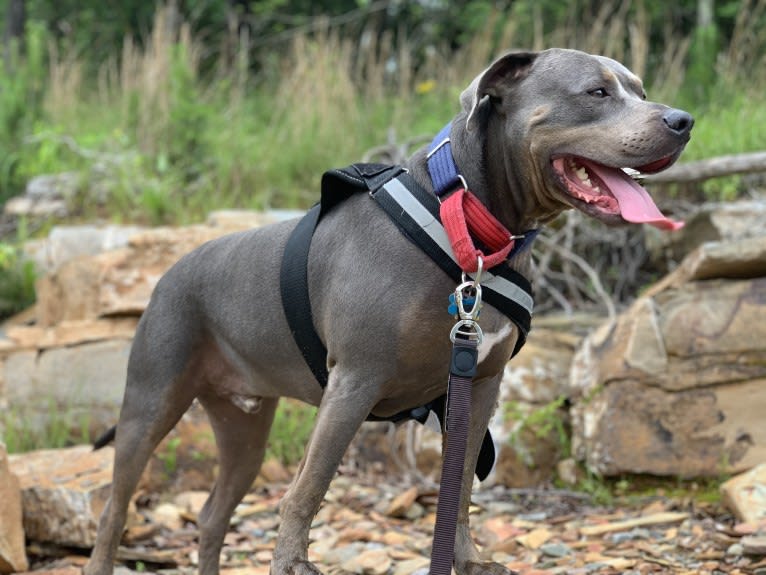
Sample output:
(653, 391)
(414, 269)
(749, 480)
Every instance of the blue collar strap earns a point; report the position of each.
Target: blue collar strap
(445, 178)
(441, 164)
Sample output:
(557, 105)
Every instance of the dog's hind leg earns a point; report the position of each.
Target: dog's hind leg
(139, 431)
(241, 438)
(162, 382)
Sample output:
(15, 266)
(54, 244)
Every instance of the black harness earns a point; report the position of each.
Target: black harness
(415, 211)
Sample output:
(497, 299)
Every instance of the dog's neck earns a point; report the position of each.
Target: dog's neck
(493, 178)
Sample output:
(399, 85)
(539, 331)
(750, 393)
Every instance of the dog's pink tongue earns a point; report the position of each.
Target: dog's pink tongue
(636, 205)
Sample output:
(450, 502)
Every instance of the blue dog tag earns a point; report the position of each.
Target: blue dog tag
(468, 303)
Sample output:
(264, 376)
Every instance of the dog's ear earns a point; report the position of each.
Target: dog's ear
(494, 81)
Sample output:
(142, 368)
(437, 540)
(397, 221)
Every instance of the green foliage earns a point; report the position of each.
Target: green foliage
(176, 128)
(290, 431)
(59, 426)
(701, 73)
(22, 84)
(17, 281)
(169, 455)
(543, 422)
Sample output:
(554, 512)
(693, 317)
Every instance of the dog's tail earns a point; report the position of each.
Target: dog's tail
(105, 439)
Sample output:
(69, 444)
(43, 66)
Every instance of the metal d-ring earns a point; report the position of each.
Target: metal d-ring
(467, 328)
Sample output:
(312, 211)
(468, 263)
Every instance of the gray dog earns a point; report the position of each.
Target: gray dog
(538, 133)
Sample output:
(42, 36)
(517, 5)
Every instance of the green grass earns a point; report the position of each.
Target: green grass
(290, 431)
(17, 280)
(729, 124)
(23, 430)
(166, 145)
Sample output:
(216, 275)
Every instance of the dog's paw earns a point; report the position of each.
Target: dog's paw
(486, 568)
(293, 568)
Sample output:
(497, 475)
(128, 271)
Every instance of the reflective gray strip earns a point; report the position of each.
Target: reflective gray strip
(436, 232)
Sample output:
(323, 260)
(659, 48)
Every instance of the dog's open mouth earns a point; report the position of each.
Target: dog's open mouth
(611, 191)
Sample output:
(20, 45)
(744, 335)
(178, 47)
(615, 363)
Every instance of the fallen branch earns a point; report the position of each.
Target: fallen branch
(710, 168)
(654, 519)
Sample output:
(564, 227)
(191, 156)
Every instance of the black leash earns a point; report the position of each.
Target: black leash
(466, 336)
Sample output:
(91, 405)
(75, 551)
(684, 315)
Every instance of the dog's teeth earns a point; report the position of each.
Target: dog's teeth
(587, 182)
(582, 173)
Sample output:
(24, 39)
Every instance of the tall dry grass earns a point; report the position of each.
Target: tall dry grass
(744, 60)
(259, 139)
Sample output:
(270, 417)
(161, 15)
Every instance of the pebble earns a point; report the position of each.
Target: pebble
(754, 544)
(555, 549)
(402, 503)
(632, 535)
(412, 566)
(353, 535)
(369, 562)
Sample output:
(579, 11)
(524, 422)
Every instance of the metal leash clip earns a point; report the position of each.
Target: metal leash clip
(467, 300)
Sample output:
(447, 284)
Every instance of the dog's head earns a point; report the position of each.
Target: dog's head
(576, 121)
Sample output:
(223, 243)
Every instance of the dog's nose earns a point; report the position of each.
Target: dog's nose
(679, 121)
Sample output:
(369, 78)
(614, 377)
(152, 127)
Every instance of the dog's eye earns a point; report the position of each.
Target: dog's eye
(643, 95)
(599, 93)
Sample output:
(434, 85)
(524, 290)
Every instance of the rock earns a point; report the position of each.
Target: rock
(535, 379)
(677, 385)
(369, 562)
(191, 502)
(402, 503)
(713, 222)
(568, 471)
(745, 495)
(12, 553)
(244, 219)
(735, 549)
(528, 459)
(69, 333)
(538, 374)
(65, 243)
(272, 471)
(45, 196)
(555, 549)
(535, 538)
(742, 259)
(754, 545)
(168, 515)
(63, 493)
(86, 379)
(118, 282)
(411, 566)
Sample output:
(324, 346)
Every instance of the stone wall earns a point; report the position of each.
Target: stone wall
(677, 384)
(71, 350)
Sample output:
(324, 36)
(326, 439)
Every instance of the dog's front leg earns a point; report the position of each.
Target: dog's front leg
(467, 559)
(347, 402)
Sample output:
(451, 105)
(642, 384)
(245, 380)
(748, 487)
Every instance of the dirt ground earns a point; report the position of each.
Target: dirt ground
(372, 525)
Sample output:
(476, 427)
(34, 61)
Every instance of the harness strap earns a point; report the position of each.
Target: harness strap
(416, 213)
(293, 279)
(294, 288)
(462, 371)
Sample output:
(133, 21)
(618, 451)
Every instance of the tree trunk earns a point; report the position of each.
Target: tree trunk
(15, 20)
